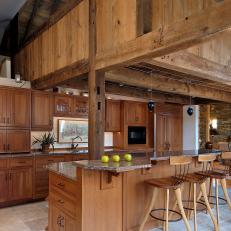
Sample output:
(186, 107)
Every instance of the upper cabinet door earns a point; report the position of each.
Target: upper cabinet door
(63, 105)
(42, 111)
(80, 107)
(3, 103)
(112, 116)
(18, 108)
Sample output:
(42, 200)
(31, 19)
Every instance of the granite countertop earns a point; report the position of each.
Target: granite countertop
(67, 169)
(117, 167)
(194, 153)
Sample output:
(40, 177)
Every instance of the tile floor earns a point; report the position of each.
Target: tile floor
(28, 217)
(33, 217)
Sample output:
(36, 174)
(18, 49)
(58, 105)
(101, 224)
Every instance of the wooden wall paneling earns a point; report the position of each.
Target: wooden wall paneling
(116, 23)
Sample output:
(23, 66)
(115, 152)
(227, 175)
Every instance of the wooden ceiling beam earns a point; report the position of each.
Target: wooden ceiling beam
(165, 84)
(194, 65)
(131, 92)
(165, 40)
(58, 77)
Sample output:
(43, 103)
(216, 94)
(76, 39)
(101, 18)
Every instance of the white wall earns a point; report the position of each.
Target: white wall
(11, 83)
(108, 138)
(191, 129)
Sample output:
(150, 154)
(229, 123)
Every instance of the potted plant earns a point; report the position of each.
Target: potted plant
(46, 140)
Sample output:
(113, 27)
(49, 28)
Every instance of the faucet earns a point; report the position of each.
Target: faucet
(73, 146)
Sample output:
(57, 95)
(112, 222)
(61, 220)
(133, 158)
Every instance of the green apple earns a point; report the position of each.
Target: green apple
(116, 158)
(128, 157)
(105, 159)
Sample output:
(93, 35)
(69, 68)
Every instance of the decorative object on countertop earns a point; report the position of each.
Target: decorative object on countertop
(69, 129)
(105, 159)
(73, 146)
(116, 158)
(128, 157)
(208, 145)
(46, 140)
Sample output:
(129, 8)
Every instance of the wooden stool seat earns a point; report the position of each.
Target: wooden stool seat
(213, 174)
(165, 183)
(195, 178)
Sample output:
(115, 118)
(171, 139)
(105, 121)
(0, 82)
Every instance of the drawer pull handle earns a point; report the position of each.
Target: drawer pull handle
(50, 160)
(21, 162)
(61, 201)
(61, 184)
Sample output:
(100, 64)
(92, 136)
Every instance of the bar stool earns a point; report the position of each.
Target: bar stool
(199, 179)
(208, 171)
(168, 183)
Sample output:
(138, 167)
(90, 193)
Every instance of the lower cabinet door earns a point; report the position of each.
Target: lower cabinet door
(60, 221)
(20, 184)
(56, 218)
(3, 186)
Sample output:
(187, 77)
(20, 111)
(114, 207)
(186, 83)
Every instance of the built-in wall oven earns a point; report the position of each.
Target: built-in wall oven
(136, 135)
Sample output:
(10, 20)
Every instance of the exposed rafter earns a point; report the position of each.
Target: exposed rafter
(194, 65)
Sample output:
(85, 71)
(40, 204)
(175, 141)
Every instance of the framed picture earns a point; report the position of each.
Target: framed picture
(69, 129)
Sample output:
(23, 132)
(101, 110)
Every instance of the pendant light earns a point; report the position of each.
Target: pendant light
(190, 108)
(151, 103)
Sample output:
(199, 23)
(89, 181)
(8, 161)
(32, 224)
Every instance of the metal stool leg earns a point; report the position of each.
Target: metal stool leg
(150, 207)
(224, 187)
(204, 193)
(217, 202)
(180, 204)
(195, 205)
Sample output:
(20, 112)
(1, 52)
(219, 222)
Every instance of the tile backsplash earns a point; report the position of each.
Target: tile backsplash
(108, 138)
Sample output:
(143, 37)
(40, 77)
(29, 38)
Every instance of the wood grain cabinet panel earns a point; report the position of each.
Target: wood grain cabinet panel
(135, 113)
(18, 141)
(63, 105)
(112, 116)
(80, 107)
(3, 142)
(3, 103)
(20, 183)
(4, 186)
(42, 111)
(18, 108)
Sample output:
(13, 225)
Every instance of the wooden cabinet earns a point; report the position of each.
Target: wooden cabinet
(3, 185)
(71, 106)
(63, 105)
(169, 134)
(20, 183)
(41, 174)
(112, 116)
(15, 108)
(42, 111)
(16, 179)
(80, 107)
(135, 113)
(18, 141)
(14, 141)
(3, 107)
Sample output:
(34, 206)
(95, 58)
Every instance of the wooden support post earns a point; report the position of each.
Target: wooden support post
(207, 123)
(96, 86)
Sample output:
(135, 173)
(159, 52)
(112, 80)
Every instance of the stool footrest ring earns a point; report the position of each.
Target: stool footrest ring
(198, 202)
(170, 210)
(214, 197)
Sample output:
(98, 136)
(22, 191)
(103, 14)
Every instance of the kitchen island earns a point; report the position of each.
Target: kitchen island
(90, 195)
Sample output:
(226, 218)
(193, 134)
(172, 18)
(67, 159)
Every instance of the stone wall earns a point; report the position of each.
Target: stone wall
(221, 112)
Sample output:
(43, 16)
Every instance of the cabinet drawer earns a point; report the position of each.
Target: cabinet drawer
(40, 161)
(63, 202)
(3, 163)
(21, 162)
(62, 184)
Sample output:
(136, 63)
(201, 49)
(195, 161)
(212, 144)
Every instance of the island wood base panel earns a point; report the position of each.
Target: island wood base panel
(99, 201)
